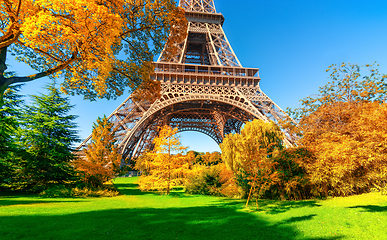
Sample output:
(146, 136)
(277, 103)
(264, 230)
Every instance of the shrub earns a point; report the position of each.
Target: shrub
(63, 191)
(293, 183)
(57, 191)
(214, 180)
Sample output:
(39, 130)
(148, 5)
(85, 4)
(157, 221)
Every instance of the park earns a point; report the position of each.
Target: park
(316, 170)
(147, 215)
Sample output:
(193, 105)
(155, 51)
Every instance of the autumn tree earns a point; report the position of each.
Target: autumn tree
(102, 160)
(47, 134)
(166, 165)
(349, 83)
(349, 143)
(250, 155)
(343, 128)
(98, 47)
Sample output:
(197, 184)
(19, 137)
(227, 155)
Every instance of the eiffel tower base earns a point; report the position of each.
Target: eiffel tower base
(204, 88)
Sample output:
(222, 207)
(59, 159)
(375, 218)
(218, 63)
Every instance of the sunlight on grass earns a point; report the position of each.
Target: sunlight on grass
(149, 215)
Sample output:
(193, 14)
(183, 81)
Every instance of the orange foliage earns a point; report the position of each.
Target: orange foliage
(344, 129)
(349, 143)
(102, 159)
(84, 40)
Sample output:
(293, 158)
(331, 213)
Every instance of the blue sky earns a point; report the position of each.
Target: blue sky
(291, 42)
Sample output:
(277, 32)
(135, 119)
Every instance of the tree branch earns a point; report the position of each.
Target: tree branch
(18, 8)
(12, 80)
(42, 52)
(9, 38)
(122, 73)
(135, 30)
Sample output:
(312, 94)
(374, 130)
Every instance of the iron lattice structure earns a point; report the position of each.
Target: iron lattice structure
(204, 88)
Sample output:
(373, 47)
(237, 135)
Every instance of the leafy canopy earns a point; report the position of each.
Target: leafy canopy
(98, 47)
(344, 130)
(249, 154)
(349, 83)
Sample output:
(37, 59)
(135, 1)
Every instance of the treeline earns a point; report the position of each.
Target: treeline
(340, 147)
(36, 153)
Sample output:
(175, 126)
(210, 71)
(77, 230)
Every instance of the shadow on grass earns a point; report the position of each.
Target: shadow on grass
(276, 207)
(207, 222)
(371, 208)
(297, 219)
(16, 198)
(269, 206)
(10, 202)
(132, 189)
(129, 189)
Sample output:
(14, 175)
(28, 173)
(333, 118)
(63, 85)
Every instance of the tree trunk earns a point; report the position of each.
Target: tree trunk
(248, 198)
(3, 67)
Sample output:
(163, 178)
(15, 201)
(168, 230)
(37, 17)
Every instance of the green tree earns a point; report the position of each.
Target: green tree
(47, 135)
(102, 160)
(9, 124)
(86, 41)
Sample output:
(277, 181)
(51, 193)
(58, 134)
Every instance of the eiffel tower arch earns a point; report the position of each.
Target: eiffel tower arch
(204, 88)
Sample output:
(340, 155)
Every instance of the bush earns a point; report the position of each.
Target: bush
(63, 191)
(57, 191)
(88, 192)
(215, 180)
(293, 184)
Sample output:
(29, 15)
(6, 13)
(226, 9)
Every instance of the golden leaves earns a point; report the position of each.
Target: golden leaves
(97, 33)
(249, 154)
(165, 166)
(349, 142)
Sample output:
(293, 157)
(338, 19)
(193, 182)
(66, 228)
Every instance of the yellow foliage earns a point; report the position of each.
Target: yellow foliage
(165, 166)
(84, 39)
(249, 154)
(349, 143)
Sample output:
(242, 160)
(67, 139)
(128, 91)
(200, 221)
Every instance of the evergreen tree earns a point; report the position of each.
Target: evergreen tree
(9, 116)
(47, 135)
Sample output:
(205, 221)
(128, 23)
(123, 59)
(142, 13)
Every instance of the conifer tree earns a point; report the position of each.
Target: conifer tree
(47, 135)
(9, 115)
(166, 164)
(102, 159)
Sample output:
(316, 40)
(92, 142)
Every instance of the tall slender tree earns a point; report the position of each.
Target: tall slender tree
(9, 123)
(47, 136)
(166, 164)
(102, 159)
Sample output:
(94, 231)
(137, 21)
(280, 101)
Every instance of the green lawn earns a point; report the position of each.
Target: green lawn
(137, 215)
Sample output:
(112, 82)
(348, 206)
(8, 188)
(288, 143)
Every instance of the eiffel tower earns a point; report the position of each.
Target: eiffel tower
(204, 88)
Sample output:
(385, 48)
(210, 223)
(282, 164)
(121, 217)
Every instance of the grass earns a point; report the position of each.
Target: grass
(139, 215)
